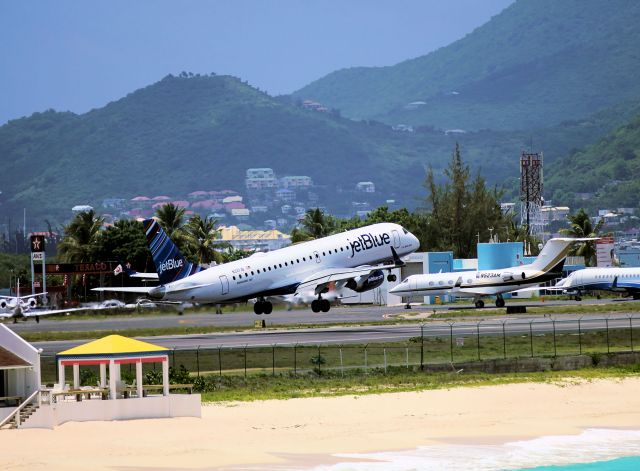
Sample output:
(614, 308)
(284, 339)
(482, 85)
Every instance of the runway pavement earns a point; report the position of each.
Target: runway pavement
(384, 333)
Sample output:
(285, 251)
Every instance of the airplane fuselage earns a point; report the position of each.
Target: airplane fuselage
(622, 280)
(280, 272)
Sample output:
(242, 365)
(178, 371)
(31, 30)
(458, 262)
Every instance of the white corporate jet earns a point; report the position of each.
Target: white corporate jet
(618, 280)
(478, 284)
(24, 307)
(354, 259)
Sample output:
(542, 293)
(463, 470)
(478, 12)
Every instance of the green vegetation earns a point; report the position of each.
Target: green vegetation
(536, 64)
(13, 266)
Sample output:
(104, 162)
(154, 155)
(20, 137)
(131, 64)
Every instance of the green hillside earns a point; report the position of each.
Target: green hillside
(609, 169)
(536, 64)
(190, 133)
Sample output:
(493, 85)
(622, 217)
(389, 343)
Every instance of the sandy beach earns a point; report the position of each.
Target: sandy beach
(309, 431)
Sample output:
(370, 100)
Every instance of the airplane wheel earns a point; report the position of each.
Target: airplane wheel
(578, 298)
(499, 302)
(268, 307)
(315, 305)
(257, 307)
(479, 303)
(391, 277)
(325, 305)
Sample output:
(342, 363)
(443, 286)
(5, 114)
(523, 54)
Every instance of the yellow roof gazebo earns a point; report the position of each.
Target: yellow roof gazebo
(114, 350)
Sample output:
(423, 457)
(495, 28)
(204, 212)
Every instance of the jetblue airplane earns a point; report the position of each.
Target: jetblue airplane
(354, 259)
(617, 280)
(476, 284)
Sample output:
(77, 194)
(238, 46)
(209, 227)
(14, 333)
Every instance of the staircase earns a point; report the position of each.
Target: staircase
(24, 414)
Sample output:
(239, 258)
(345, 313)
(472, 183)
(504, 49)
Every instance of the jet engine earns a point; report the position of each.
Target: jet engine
(31, 302)
(3, 304)
(366, 282)
(508, 276)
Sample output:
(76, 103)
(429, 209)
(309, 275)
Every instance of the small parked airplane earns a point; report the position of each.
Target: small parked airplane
(354, 259)
(477, 284)
(24, 307)
(617, 280)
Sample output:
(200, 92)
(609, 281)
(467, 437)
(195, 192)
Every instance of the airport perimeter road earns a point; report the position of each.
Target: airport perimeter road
(381, 333)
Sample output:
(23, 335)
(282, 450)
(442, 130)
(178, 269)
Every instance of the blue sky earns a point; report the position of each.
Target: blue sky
(78, 55)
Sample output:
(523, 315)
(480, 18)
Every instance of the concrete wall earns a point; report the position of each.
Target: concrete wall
(21, 381)
(174, 405)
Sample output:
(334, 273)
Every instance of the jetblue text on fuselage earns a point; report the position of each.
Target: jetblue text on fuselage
(368, 241)
(170, 265)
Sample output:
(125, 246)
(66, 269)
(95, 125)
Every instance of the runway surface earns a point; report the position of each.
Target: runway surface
(521, 324)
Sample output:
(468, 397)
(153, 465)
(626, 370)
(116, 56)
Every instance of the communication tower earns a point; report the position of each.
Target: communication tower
(531, 193)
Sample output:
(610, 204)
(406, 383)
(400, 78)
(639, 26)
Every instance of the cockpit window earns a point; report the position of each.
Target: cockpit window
(405, 231)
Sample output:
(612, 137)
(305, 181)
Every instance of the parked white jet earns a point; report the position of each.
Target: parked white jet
(24, 307)
(617, 280)
(477, 284)
(354, 259)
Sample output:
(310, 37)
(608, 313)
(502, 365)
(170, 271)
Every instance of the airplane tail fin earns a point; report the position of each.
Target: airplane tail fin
(170, 264)
(554, 253)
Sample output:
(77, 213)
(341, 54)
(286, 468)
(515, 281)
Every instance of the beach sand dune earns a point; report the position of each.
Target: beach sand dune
(310, 430)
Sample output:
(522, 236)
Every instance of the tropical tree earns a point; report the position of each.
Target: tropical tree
(125, 241)
(202, 239)
(171, 219)
(316, 224)
(81, 236)
(580, 225)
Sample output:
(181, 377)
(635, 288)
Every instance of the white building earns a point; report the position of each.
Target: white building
(366, 187)
(260, 179)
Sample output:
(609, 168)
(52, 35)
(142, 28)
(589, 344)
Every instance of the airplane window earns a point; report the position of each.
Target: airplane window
(297, 260)
(469, 281)
(304, 259)
(405, 231)
(234, 277)
(440, 282)
(431, 283)
(251, 272)
(286, 264)
(450, 282)
(341, 249)
(324, 254)
(258, 270)
(280, 264)
(269, 268)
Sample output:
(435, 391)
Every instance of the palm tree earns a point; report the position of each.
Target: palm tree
(316, 224)
(171, 219)
(202, 240)
(80, 240)
(580, 225)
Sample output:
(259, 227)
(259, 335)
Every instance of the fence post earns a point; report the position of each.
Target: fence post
(631, 333)
(198, 360)
(273, 360)
(319, 362)
(220, 359)
(384, 352)
(555, 351)
(173, 356)
(407, 355)
(422, 347)
(579, 336)
(341, 364)
(295, 359)
(451, 340)
(607, 324)
(504, 340)
(245, 361)
(478, 338)
(531, 337)
(365, 358)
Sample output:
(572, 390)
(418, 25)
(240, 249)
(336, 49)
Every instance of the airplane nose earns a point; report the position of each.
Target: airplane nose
(415, 243)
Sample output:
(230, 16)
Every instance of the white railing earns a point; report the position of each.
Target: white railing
(16, 413)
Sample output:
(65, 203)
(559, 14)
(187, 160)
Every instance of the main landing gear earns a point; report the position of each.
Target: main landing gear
(499, 301)
(479, 303)
(391, 277)
(262, 307)
(320, 304)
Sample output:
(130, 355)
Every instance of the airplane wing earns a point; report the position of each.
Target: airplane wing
(144, 276)
(49, 312)
(319, 281)
(126, 289)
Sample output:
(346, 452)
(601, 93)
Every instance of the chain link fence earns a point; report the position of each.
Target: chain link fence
(431, 345)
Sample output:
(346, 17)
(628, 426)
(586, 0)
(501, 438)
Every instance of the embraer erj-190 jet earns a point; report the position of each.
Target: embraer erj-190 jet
(618, 280)
(354, 259)
(477, 284)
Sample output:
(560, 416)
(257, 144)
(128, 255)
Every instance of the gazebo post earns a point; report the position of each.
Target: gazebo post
(61, 373)
(76, 376)
(165, 376)
(103, 375)
(112, 379)
(139, 377)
